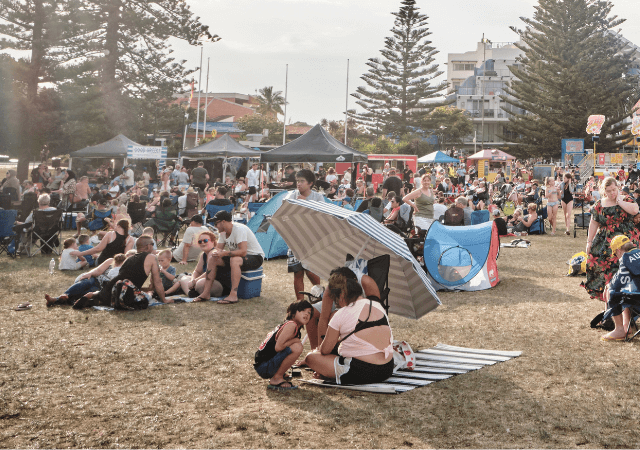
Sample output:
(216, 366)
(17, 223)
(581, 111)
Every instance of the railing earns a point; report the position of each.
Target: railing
(585, 166)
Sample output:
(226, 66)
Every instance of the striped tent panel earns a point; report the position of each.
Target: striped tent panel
(426, 372)
(321, 235)
(439, 352)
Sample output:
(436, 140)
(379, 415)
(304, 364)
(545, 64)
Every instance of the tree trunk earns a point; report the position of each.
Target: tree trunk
(111, 93)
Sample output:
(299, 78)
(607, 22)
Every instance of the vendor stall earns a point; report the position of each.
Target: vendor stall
(489, 161)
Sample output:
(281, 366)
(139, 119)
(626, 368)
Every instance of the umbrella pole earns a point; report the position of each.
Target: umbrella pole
(357, 257)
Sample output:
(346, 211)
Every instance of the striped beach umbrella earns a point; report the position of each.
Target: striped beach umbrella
(321, 234)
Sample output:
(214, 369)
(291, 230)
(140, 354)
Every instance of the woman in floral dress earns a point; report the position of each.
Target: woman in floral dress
(611, 216)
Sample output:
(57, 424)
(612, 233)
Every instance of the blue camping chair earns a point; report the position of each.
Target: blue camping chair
(481, 216)
(98, 223)
(253, 207)
(211, 210)
(357, 204)
(7, 235)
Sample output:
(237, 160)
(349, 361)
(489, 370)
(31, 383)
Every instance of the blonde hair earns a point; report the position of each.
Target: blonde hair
(165, 253)
(606, 183)
(148, 231)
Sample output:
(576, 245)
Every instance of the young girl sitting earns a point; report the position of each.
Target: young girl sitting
(69, 256)
(282, 347)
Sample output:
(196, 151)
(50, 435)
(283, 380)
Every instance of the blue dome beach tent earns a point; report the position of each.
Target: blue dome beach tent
(321, 235)
(462, 258)
(272, 244)
(437, 157)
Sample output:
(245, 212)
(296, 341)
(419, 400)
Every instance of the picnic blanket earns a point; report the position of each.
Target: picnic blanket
(432, 364)
(175, 298)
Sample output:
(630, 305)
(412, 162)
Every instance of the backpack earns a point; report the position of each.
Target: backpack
(537, 227)
(125, 295)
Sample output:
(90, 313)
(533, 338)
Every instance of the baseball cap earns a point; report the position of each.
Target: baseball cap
(196, 218)
(346, 199)
(222, 215)
(618, 242)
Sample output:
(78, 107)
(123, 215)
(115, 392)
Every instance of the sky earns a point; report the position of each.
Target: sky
(317, 37)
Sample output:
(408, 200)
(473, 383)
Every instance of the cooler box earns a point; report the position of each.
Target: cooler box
(69, 220)
(250, 283)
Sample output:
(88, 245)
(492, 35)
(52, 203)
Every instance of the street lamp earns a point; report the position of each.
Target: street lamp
(484, 70)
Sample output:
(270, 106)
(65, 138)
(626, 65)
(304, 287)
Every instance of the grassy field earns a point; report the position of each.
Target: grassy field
(182, 375)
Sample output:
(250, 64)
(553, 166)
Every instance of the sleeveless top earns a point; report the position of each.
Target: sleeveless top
(267, 349)
(425, 206)
(133, 270)
(114, 247)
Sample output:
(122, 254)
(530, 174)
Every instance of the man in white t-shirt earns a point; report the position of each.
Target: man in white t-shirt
(244, 253)
(129, 180)
(187, 251)
(305, 180)
(253, 176)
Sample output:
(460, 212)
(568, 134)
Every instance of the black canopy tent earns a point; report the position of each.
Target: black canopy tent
(315, 146)
(224, 148)
(114, 150)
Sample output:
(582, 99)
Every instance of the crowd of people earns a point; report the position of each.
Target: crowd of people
(349, 332)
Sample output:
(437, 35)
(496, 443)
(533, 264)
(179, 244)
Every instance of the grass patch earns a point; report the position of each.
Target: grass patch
(182, 375)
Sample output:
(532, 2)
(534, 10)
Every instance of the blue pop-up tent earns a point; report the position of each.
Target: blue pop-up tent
(272, 244)
(462, 258)
(437, 157)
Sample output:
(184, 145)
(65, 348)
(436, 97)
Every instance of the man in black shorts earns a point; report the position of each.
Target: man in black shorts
(244, 253)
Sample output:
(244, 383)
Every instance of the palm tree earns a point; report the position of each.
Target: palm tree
(271, 102)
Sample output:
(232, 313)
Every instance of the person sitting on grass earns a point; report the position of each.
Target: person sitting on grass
(114, 242)
(360, 329)
(70, 258)
(523, 224)
(148, 231)
(282, 347)
(194, 284)
(89, 281)
(136, 269)
(84, 244)
(167, 271)
(624, 281)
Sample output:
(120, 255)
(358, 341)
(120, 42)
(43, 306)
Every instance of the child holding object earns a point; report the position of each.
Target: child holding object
(282, 347)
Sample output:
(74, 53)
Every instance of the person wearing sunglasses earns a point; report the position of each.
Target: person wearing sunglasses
(189, 250)
(195, 283)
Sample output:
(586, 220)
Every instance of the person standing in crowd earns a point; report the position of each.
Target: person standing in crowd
(422, 200)
(200, 177)
(611, 216)
(255, 176)
(393, 183)
(305, 180)
(567, 189)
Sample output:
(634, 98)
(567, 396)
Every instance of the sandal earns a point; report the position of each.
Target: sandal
(280, 388)
(200, 299)
(23, 306)
(224, 301)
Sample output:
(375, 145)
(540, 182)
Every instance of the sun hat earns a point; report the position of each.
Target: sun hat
(618, 242)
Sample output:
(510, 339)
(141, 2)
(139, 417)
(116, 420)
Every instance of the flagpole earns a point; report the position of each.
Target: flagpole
(199, 91)
(346, 107)
(206, 98)
(286, 86)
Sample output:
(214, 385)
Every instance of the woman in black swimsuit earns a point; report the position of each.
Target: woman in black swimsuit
(567, 189)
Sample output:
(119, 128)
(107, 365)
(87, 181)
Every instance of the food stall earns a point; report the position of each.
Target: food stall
(489, 161)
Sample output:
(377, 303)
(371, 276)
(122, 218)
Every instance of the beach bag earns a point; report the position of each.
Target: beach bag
(403, 357)
(125, 296)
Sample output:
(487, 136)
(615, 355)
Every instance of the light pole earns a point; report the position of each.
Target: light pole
(484, 70)
(214, 38)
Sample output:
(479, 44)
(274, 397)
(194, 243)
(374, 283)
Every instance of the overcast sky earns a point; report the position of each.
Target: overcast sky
(316, 37)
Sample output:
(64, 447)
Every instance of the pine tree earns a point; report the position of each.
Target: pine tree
(399, 83)
(572, 67)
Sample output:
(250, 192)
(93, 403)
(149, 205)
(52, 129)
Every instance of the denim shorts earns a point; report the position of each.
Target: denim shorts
(269, 368)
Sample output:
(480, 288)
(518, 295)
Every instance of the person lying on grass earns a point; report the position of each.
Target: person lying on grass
(282, 347)
(629, 257)
(89, 281)
(360, 329)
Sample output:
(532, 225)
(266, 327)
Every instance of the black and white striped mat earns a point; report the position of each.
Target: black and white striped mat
(432, 364)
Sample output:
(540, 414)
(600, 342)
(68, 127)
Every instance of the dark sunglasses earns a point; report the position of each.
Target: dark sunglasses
(203, 241)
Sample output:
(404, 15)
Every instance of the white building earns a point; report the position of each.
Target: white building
(478, 78)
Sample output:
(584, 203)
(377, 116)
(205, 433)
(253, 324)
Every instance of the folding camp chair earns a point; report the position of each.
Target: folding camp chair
(137, 212)
(192, 205)
(44, 236)
(97, 222)
(166, 226)
(29, 203)
(12, 192)
(5, 201)
(253, 207)
(7, 235)
(211, 211)
(378, 269)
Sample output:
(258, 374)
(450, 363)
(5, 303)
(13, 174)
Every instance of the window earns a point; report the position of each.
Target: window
(465, 65)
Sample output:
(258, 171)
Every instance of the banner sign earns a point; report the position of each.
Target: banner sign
(616, 158)
(601, 159)
(594, 124)
(144, 152)
(572, 149)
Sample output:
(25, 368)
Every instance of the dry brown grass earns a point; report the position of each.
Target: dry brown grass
(182, 376)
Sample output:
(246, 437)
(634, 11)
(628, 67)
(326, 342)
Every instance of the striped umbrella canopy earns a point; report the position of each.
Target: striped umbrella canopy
(321, 234)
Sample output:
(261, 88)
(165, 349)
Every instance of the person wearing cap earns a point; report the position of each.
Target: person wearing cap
(187, 251)
(244, 253)
(305, 179)
(625, 280)
(346, 203)
(501, 224)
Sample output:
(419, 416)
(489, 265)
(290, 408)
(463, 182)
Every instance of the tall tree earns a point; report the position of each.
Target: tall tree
(400, 83)
(573, 66)
(271, 102)
(450, 124)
